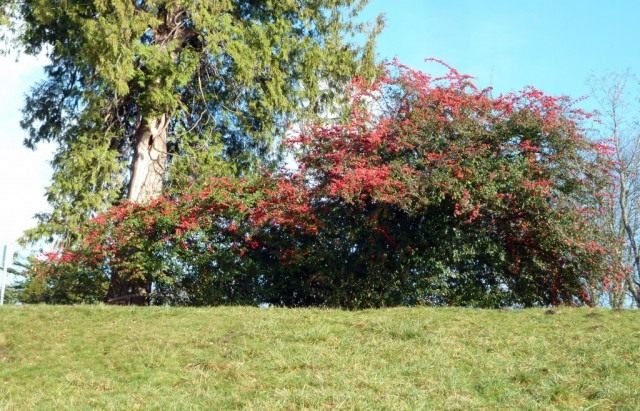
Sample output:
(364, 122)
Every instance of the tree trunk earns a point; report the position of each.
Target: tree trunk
(147, 175)
(149, 160)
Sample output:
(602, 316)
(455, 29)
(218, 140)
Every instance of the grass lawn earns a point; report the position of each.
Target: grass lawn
(99, 357)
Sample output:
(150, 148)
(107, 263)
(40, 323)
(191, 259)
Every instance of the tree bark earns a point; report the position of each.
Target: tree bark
(149, 160)
(147, 173)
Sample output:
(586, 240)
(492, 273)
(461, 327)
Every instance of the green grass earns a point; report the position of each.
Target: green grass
(245, 358)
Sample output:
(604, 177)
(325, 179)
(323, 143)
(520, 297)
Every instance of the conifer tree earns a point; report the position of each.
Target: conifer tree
(146, 96)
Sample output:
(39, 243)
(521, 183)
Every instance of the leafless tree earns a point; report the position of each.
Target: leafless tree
(619, 114)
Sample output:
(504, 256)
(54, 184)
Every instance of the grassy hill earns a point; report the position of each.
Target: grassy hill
(246, 358)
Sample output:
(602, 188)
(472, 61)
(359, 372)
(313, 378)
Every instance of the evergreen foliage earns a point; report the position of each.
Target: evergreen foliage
(229, 75)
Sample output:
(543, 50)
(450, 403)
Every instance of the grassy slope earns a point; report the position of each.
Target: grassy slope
(226, 358)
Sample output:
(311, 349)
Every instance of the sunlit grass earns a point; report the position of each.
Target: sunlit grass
(246, 358)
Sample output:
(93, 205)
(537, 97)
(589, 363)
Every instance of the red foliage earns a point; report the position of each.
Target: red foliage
(507, 171)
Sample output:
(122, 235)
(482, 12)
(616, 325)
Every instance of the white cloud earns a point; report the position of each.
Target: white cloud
(23, 173)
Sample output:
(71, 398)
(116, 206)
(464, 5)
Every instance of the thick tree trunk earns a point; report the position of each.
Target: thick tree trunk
(147, 175)
(149, 161)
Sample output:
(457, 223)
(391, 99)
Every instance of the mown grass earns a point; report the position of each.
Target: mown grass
(245, 358)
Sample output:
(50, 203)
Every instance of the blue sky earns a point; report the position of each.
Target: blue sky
(555, 45)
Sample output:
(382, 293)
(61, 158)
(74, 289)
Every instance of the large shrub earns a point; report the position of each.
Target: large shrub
(431, 191)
